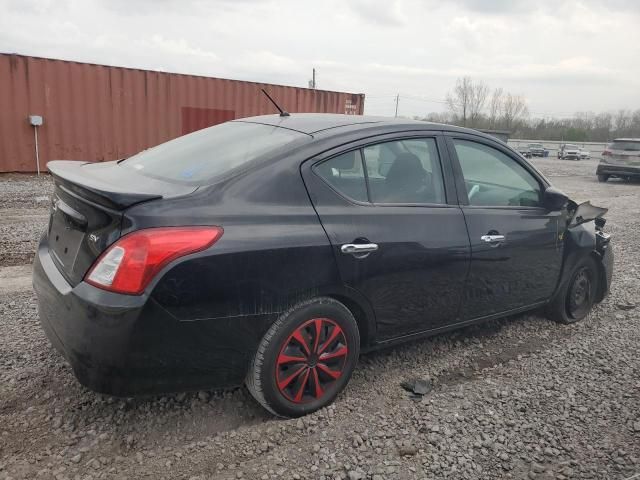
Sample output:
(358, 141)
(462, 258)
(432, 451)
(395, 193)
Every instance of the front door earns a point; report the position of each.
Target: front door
(516, 246)
(397, 235)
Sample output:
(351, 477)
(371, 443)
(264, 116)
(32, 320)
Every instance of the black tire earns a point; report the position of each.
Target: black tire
(271, 365)
(577, 296)
(603, 178)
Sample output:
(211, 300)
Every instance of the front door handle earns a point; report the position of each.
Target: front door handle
(358, 248)
(492, 238)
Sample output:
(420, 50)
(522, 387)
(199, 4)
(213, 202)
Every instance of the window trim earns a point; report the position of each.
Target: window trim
(463, 199)
(443, 159)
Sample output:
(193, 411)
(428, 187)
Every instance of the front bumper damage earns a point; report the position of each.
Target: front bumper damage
(586, 233)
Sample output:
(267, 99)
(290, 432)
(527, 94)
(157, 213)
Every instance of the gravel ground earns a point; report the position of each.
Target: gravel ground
(24, 203)
(516, 398)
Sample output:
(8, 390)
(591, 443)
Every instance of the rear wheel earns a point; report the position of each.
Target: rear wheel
(603, 178)
(305, 359)
(576, 298)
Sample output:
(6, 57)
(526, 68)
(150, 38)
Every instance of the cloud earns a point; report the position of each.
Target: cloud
(560, 54)
(387, 13)
(178, 47)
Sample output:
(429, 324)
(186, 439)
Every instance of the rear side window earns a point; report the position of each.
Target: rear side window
(405, 171)
(345, 174)
(397, 172)
(213, 152)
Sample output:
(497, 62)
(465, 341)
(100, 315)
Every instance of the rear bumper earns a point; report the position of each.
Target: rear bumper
(617, 170)
(124, 345)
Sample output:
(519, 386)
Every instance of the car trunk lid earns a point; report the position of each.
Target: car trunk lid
(87, 208)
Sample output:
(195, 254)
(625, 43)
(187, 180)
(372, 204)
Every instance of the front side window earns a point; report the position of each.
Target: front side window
(493, 178)
(405, 171)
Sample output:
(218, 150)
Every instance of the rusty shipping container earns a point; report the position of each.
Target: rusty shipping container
(99, 113)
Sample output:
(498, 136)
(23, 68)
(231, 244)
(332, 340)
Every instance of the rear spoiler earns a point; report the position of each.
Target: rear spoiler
(109, 185)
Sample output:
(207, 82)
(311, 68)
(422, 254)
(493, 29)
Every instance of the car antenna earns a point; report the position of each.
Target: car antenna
(283, 113)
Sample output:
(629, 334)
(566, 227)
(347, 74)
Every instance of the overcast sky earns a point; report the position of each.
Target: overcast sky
(563, 56)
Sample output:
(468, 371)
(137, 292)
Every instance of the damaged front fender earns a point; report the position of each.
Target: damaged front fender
(583, 236)
(583, 213)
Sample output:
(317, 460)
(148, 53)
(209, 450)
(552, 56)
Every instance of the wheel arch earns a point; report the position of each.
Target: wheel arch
(366, 326)
(358, 305)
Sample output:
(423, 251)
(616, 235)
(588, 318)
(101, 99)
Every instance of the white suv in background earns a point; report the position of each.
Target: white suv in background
(568, 151)
(620, 159)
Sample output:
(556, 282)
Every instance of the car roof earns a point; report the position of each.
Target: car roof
(311, 123)
(626, 140)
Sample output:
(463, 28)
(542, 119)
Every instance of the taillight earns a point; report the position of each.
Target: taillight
(130, 264)
(606, 153)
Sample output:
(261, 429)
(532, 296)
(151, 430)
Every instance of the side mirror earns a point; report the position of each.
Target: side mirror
(553, 199)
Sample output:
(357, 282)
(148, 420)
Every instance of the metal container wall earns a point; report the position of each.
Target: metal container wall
(100, 113)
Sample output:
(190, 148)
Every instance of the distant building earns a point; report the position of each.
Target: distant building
(499, 134)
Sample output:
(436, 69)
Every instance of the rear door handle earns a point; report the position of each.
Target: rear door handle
(492, 238)
(358, 248)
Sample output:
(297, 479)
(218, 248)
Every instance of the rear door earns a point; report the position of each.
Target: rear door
(516, 250)
(398, 236)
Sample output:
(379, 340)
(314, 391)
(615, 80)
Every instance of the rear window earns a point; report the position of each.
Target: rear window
(628, 146)
(213, 152)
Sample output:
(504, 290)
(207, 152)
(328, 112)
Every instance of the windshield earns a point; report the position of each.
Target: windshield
(212, 152)
(535, 145)
(629, 146)
(571, 147)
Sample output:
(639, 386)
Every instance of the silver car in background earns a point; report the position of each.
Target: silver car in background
(620, 159)
(569, 151)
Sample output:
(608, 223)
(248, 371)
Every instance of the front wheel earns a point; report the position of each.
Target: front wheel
(305, 359)
(603, 178)
(576, 298)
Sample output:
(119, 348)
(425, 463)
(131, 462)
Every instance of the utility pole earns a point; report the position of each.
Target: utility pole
(312, 82)
(397, 100)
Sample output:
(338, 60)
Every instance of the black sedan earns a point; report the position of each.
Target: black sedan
(273, 250)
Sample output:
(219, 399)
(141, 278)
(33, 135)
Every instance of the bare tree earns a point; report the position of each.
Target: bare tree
(467, 100)
(514, 107)
(479, 94)
(584, 120)
(622, 121)
(495, 106)
(439, 117)
(459, 99)
(635, 121)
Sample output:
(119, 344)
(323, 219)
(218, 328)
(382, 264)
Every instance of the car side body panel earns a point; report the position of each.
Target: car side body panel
(200, 320)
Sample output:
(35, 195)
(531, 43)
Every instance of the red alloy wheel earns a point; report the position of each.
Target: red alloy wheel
(311, 360)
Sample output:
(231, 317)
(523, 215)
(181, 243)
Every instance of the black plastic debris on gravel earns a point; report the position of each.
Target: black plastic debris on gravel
(417, 387)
